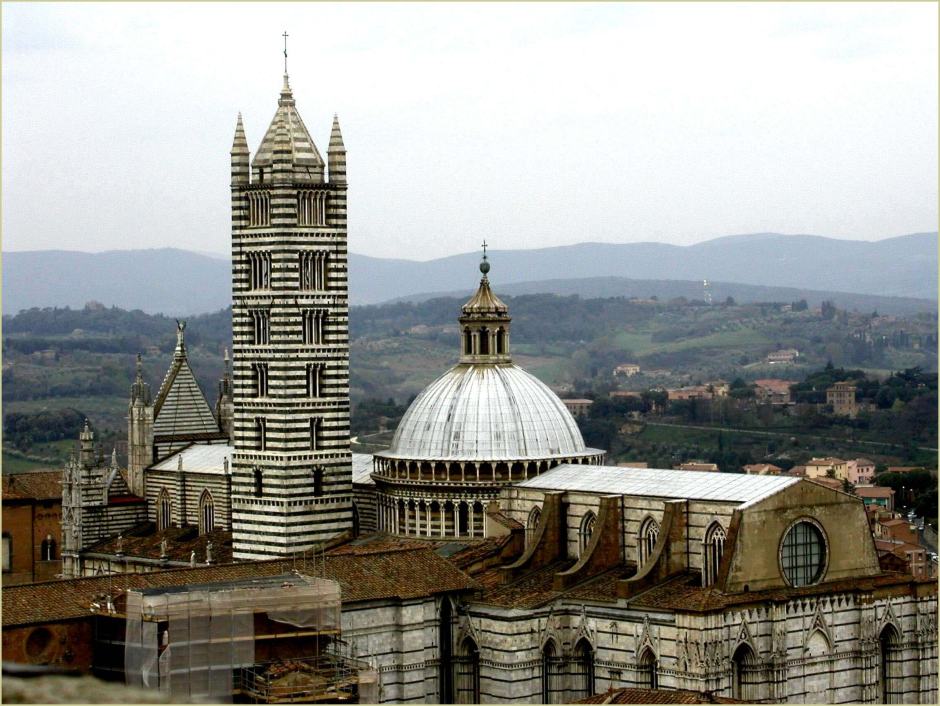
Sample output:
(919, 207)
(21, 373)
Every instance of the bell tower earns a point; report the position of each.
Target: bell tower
(291, 469)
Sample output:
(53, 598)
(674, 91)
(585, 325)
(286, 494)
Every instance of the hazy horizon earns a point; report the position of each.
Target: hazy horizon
(529, 125)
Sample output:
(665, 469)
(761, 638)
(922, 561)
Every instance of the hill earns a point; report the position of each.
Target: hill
(179, 282)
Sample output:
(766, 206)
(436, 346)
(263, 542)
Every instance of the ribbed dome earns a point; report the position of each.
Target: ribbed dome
(486, 412)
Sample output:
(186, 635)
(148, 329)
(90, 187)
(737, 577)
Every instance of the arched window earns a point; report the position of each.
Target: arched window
(743, 674)
(553, 683)
(646, 540)
(164, 511)
(646, 676)
(259, 483)
(467, 673)
(713, 547)
(532, 525)
(206, 513)
(582, 671)
(355, 520)
(890, 673)
(48, 548)
(500, 341)
(586, 530)
(467, 342)
(484, 341)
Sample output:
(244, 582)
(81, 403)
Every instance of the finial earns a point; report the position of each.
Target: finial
(285, 52)
(484, 265)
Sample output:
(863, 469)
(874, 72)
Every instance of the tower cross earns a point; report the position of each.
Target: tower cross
(285, 51)
(484, 249)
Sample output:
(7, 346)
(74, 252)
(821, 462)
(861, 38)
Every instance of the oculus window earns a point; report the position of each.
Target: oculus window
(803, 554)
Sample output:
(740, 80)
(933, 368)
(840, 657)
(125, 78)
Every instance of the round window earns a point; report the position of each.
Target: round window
(803, 554)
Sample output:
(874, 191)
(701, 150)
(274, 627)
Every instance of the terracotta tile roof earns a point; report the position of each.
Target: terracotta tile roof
(656, 696)
(478, 551)
(531, 590)
(144, 541)
(401, 573)
(37, 485)
(873, 491)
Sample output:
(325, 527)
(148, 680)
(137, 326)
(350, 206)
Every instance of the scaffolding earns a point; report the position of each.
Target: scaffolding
(271, 640)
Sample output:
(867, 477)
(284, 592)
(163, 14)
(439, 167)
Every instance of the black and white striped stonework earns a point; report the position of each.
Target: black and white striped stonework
(291, 474)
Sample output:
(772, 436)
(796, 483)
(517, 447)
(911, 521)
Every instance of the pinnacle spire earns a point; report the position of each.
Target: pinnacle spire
(180, 351)
(336, 137)
(240, 143)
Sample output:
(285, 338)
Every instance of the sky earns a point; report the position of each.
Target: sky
(528, 125)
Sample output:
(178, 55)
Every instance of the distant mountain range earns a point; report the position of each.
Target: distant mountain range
(899, 274)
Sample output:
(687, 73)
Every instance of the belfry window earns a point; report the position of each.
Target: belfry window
(260, 373)
(259, 266)
(311, 208)
(313, 270)
(261, 433)
(259, 208)
(260, 326)
(259, 483)
(314, 379)
(313, 323)
(314, 434)
(318, 481)
(712, 550)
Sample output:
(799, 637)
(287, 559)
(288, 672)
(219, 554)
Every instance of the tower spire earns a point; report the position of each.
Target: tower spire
(285, 53)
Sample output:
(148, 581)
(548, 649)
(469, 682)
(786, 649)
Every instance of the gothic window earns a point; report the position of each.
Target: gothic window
(646, 541)
(314, 321)
(712, 550)
(314, 379)
(582, 671)
(7, 552)
(532, 525)
(260, 372)
(553, 678)
(260, 326)
(259, 483)
(803, 554)
(311, 208)
(206, 513)
(48, 548)
(586, 530)
(259, 208)
(484, 341)
(315, 434)
(318, 481)
(891, 666)
(743, 674)
(313, 270)
(646, 675)
(261, 433)
(259, 270)
(164, 511)
(467, 673)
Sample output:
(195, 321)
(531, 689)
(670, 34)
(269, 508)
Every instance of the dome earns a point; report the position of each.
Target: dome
(487, 412)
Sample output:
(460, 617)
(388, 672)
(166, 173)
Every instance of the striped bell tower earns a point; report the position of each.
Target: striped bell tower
(291, 469)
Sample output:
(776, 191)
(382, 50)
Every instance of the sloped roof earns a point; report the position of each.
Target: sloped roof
(304, 153)
(198, 458)
(383, 573)
(35, 485)
(180, 408)
(362, 469)
(659, 483)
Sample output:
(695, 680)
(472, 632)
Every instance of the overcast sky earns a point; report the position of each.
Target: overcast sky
(528, 125)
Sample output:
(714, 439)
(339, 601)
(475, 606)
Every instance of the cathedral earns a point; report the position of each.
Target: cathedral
(561, 578)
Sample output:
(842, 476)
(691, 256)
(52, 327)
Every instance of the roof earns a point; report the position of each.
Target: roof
(774, 384)
(199, 458)
(873, 491)
(484, 302)
(35, 485)
(834, 483)
(660, 483)
(362, 469)
(384, 572)
(487, 412)
(180, 407)
(825, 461)
(145, 541)
(304, 155)
(655, 696)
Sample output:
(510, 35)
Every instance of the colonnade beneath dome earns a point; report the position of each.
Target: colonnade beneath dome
(469, 471)
(431, 518)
